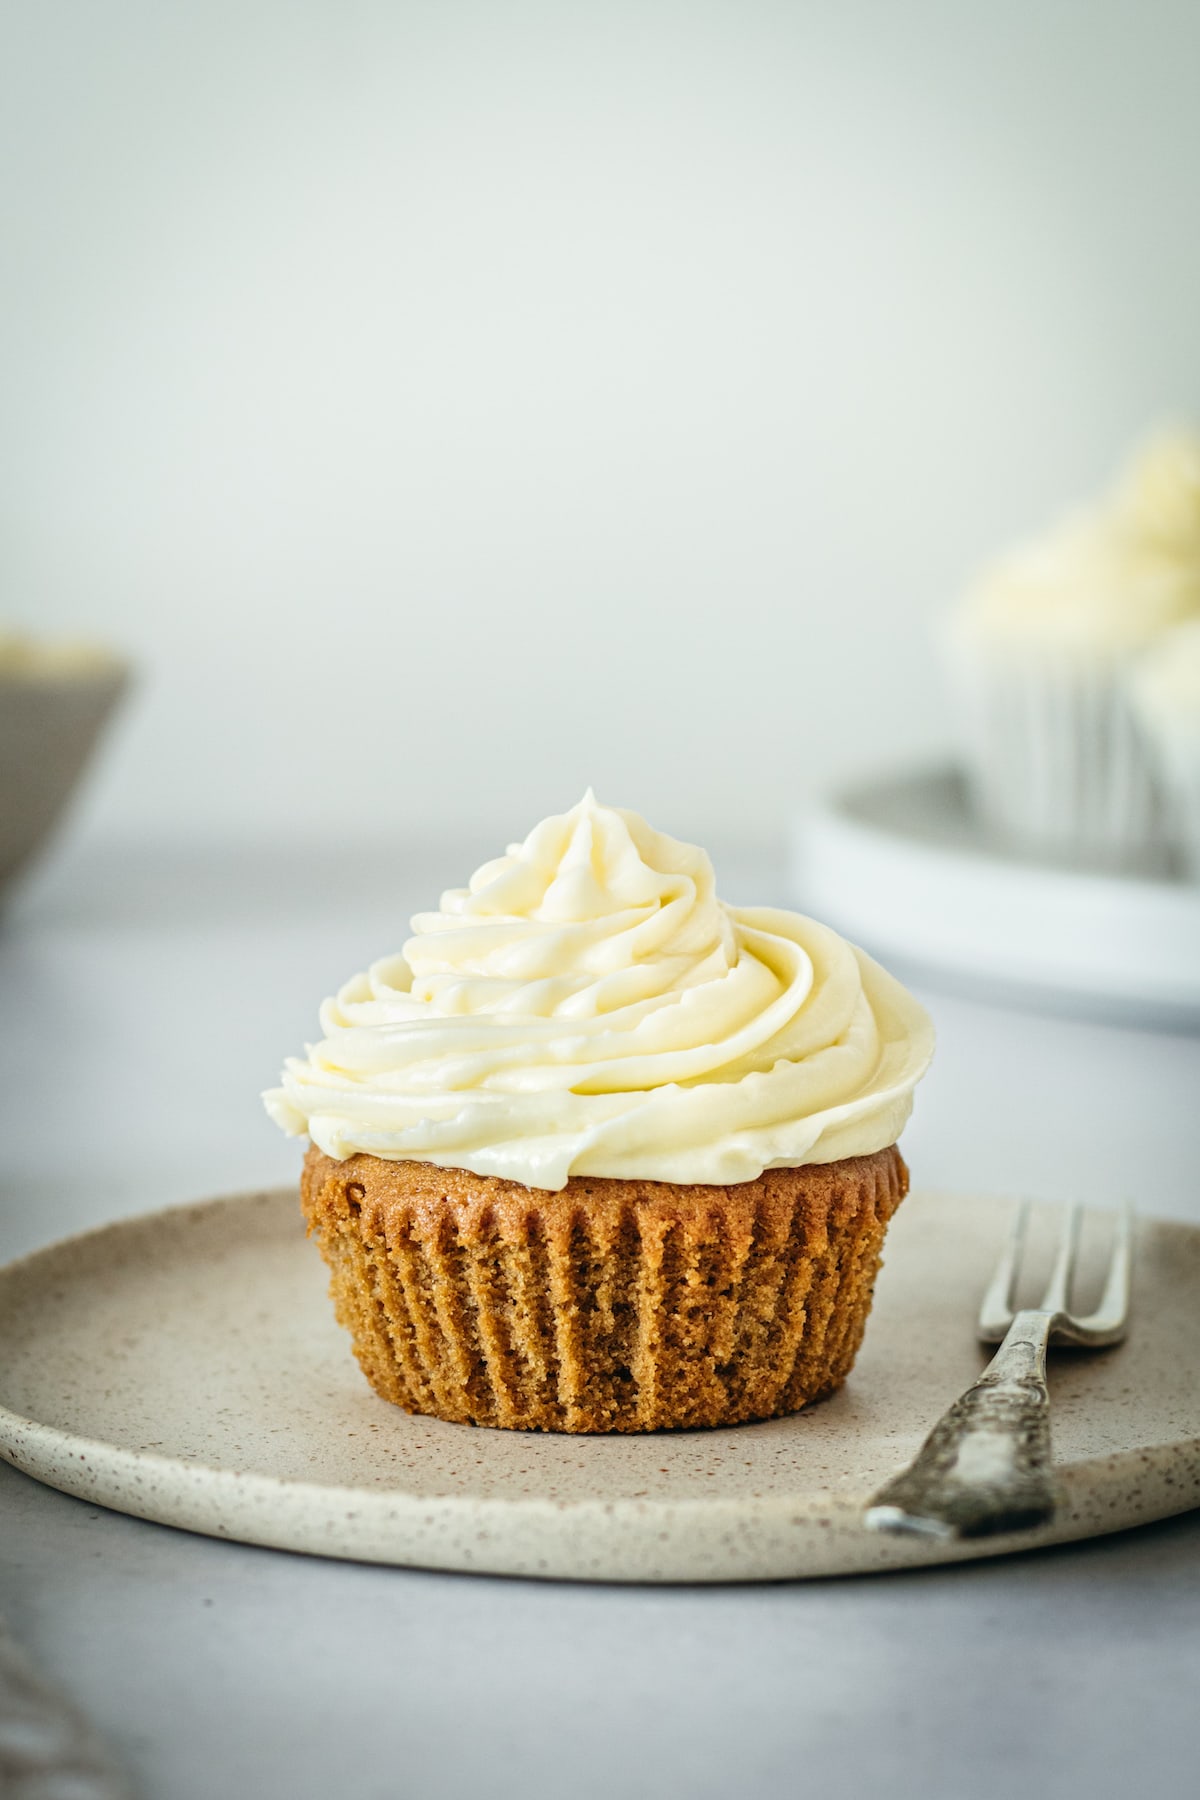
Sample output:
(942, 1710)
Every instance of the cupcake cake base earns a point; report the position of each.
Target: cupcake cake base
(608, 1305)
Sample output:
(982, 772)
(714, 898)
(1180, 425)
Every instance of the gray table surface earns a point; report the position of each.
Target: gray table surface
(147, 997)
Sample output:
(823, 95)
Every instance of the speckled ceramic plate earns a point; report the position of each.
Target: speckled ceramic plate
(185, 1367)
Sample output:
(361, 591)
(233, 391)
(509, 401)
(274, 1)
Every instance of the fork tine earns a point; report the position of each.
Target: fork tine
(1114, 1301)
(1058, 1290)
(995, 1312)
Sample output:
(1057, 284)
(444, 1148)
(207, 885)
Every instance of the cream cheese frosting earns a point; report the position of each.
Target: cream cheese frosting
(26, 658)
(1088, 586)
(1158, 500)
(1108, 579)
(588, 1006)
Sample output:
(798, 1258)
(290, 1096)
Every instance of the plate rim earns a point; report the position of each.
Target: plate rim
(830, 837)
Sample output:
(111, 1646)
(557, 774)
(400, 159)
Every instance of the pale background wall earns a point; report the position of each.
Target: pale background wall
(448, 405)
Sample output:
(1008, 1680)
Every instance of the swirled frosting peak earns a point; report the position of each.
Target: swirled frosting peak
(587, 1006)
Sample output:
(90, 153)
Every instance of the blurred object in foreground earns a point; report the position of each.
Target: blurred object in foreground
(1041, 654)
(904, 866)
(55, 698)
(48, 1750)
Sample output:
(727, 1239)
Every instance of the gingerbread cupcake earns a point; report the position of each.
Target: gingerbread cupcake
(597, 1152)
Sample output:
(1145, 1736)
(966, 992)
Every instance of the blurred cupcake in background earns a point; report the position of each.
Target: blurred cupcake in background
(55, 698)
(1164, 691)
(1040, 654)
(1158, 502)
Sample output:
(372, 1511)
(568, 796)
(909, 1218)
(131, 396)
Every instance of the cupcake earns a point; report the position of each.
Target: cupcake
(597, 1152)
(1039, 654)
(1164, 691)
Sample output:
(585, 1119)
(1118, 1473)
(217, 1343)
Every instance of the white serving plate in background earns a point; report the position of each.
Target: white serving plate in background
(901, 865)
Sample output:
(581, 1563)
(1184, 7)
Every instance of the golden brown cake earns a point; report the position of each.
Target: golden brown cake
(610, 1305)
(597, 1152)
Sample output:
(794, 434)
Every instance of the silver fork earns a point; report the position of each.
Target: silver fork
(985, 1466)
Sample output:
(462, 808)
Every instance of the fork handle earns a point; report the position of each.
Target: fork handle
(985, 1466)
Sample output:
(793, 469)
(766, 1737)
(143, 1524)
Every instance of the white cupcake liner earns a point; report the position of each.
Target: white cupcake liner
(1056, 761)
(1184, 800)
(1164, 697)
(1177, 756)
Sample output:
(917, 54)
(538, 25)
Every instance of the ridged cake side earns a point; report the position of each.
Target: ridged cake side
(607, 1306)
